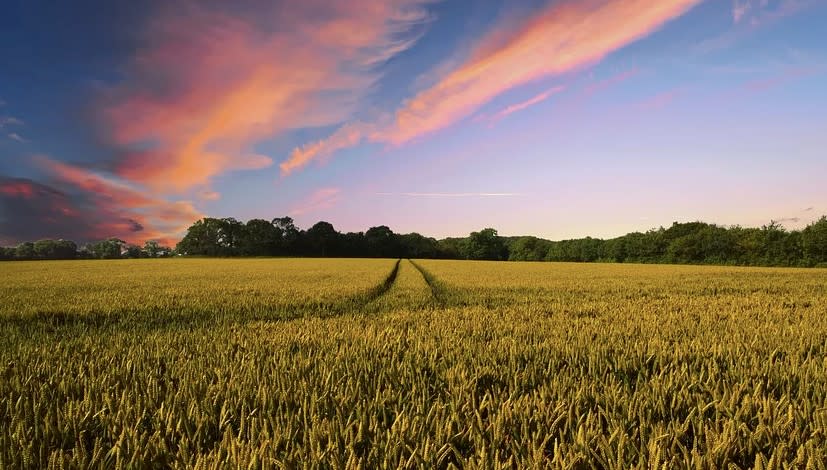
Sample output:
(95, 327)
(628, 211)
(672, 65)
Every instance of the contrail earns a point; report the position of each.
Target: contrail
(450, 194)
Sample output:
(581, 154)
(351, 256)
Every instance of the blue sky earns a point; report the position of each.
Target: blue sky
(553, 118)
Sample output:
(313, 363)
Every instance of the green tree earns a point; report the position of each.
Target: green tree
(382, 242)
(55, 249)
(814, 242)
(24, 251)
(6, 253)
(322, 239)
(107, 249)
(452, 248)
(705, 244)
(132, 251)
(152, 248)
(260, 238)
(414, 245)
(202, 238)
(486, 245)
(528, 249)
(288, 235)
(231, 233)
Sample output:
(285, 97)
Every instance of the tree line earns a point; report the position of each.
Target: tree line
(111, 248)
(682, 243)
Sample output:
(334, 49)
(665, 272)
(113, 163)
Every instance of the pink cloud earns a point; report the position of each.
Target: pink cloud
(118, 209)
(539, 98)
(659, 100)
(740, 8)
(788, 75)
(209, 195)
(321, 199)
(208, 85)
(564, 37)
(346, 136)
(17, 188)
(611, 81)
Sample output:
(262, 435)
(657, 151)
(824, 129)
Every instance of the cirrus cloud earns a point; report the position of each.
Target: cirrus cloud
(321, 199)
(207, 83)
(210, 84)
(564, 37)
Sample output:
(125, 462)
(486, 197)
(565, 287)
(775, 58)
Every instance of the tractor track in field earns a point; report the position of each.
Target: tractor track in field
(57, 320)
(396, 290)
(438, 290)
(384, 287)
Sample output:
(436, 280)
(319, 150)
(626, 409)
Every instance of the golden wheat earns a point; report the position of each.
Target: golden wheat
(374, 364)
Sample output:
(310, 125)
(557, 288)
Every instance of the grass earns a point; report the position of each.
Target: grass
(438, 364)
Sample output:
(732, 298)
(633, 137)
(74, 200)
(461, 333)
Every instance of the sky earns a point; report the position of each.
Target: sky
(554, 118)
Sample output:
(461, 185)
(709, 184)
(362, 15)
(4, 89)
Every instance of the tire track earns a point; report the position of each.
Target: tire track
(382, 288)
(439, 291)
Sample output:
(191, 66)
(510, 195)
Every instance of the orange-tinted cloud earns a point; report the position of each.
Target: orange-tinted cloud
(111, 208)
(17, 188)
(527, 103)
(31, 211)
(346, 136)
(564, 37)
(321, 199)
(208, 195)
(602, 85)
(209, 85)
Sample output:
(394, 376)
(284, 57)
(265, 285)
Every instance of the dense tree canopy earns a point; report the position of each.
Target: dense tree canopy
(682, 243)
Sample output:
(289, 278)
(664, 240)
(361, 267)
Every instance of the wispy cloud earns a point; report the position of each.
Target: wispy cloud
(790, 74)
(9, 121)
(809, 209)
(659, 100)
(757, 12)
(16, 187)
(539, 98)
(739, 9)
(345, 137)
(564, 37)
(209, 85)
(209, 195)
(450, 195)
(611, 81)
(16, 137)
(749, 16)
(205, 86)
(321, 199)
(107, 206)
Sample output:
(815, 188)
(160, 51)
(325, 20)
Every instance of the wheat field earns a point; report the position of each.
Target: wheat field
(320, 363)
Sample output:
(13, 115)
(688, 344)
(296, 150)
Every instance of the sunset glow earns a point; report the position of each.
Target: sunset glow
(559, 118)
